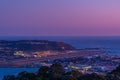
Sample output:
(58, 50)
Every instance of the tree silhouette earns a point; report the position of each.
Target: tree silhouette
(68, 77)
(44, 71)
(26, 76)
(92, 76)
(57, 71)
(74, 73)
(114, 75)
(9, 77)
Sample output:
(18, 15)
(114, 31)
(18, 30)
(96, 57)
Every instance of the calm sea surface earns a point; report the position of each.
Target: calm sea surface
(110, 44)
(15, 71)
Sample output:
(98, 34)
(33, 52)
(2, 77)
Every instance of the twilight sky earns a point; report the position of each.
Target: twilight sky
(59, 17)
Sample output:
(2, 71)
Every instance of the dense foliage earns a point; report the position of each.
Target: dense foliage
(57, 72)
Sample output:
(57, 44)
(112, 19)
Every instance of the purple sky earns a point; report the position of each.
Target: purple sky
(59, 17)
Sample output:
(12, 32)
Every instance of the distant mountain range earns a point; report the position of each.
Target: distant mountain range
(33, 45)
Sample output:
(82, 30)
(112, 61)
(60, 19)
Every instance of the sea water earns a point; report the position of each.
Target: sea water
(15, 71)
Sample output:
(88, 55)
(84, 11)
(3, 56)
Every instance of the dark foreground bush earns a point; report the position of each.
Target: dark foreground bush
(57, 72)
